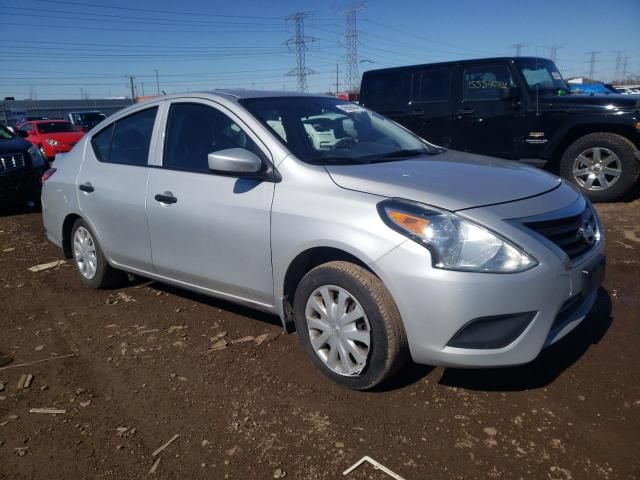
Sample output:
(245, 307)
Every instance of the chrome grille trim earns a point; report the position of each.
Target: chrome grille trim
(11, 161)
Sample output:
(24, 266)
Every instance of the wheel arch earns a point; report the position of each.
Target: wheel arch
(67, 226)
(304, 262)
(573, 133)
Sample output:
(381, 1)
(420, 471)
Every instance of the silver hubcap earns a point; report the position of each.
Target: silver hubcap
(597, 168)
(339, 330)
(84, 252)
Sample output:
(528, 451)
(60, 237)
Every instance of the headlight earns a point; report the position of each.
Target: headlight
(52, 142)
(36, 157)
(455, 243)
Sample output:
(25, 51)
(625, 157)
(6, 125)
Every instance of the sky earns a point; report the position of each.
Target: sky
(74, 48)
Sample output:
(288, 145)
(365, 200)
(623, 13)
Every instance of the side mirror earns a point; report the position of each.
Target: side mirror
(509, 93)
(234, 161)
(22, 133)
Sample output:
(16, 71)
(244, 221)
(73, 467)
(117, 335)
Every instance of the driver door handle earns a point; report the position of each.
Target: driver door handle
(86, 187)
(466, 111)
(417, 113)
(166, 198)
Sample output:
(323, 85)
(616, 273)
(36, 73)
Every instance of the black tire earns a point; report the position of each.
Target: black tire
(105, 275)
(622, 147)
(388, 346)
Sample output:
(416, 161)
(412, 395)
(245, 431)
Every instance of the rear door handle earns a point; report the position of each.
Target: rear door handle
(166, 198)
(417, 113)
(466, 111)
(86, 187)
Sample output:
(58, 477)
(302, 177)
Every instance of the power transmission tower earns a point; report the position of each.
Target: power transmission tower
(351, 36)
(298, 43)
(616, 75)
(157, 82)
(133, 88)
(518, 47)
(625, 65)
(553, 51)
(592, 63)
(337, 77)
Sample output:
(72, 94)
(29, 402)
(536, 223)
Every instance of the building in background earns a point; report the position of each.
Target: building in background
(13, 111)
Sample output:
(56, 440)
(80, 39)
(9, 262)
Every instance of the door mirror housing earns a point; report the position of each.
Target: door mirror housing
(22, 133)
(509, 93)
(235, 161)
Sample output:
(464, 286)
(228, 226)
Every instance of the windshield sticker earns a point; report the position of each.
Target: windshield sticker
(486, 84)
(350, 108)
(556, 75)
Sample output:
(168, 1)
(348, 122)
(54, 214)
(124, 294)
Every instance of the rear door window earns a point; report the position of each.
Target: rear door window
(127, 141)
(483, 82)
(432, 85)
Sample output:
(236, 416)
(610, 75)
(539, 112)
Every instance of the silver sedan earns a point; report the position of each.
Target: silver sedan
(371, 243)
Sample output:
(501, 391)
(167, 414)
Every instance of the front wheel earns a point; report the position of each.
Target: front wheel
(349, 325)
(602, 165)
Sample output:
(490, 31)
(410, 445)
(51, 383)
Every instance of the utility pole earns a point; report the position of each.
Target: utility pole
(592, 64)
(351, 36)
(157, 82)
(518, 47)
(337, 77)
(298, 44)
(133, 88)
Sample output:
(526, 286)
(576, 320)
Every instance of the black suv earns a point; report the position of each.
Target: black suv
(516, 108)
(21, 168)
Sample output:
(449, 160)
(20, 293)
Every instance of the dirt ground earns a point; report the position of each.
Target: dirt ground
(144, 371)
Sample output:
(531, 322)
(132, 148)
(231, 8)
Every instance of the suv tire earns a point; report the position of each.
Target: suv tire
(616, 149)
(98, 274)
(377, 322)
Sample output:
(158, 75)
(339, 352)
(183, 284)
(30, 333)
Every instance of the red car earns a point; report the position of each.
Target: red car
(51, 136)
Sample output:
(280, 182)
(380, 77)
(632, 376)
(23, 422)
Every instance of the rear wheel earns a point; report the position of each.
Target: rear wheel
(349, 325)
(602, 165)
(95, 271)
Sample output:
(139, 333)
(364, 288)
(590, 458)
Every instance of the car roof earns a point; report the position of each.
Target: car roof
(238, 94)
(458, 62)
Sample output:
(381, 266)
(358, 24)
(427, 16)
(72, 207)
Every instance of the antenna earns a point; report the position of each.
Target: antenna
(298, 43)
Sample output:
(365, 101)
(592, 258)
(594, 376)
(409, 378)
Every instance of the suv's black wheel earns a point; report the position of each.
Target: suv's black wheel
(349, 325)
(602, 165)
(91, 263)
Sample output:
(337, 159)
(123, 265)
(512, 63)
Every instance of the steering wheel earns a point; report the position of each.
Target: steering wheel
(344, 143)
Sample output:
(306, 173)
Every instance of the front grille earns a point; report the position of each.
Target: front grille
(11, 161)
(575, 235)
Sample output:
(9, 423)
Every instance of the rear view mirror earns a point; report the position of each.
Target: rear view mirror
(234, 161)
(509, 93)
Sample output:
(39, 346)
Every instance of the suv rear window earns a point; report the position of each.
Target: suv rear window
(386, 89)
(432, 85)
(126, 141)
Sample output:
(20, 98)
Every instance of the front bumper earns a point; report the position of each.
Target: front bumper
(437, 304)
(22, 184)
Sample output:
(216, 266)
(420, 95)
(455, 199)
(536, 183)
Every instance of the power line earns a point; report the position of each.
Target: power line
(298, 43)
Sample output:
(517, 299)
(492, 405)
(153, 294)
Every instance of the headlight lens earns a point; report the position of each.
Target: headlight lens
(52, 142)
(36, 157)
(455, 243)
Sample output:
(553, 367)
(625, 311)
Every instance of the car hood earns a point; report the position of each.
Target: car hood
(64, 137)
(14, 145)
(605, 103)
(451, 180)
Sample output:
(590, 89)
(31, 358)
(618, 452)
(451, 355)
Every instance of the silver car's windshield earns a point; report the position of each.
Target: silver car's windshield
(324, 130)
